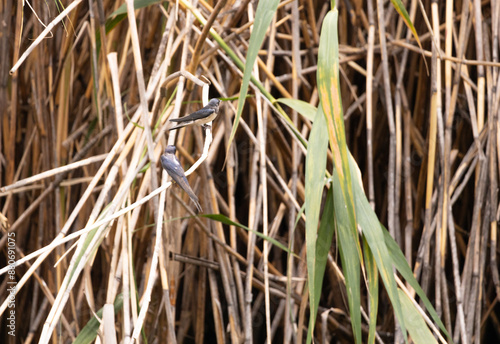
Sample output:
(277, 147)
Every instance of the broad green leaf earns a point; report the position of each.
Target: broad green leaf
(349, 256)
(89, 333)
(225, 220)
(314, 185)
(345, 215)
(405, 271)
(304, 108)
(419, 332)
(322, 247)
(329, 94)
(263, 16)
(372, 283)
(374, 235)
(395, 253)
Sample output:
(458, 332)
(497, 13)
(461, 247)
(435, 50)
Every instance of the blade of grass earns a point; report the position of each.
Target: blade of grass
(329, 94)
(263, 16)
(374, 235)
(314, 184)
(345, 215)
(89, 332)
(419, 332)
(395, 253)
(322, 247)
(400, 8)
(305, 109)
(373, 288)
(404, 269)
(225, 220)
(349, 256)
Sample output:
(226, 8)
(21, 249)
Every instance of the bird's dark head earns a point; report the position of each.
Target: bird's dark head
(170, 149)
(214, 102)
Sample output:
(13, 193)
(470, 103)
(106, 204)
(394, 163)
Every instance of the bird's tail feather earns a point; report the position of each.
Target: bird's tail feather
(195, 201)
(198, 206)
(184, 185)
(178, 126)
(180, 119)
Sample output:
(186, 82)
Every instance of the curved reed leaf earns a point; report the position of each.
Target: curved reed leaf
(373, 288)
(374, 235)
(419, 332)
(119, 15)
(89, 332)
(225, 220)
(395, 256)
(400, 8)
(303, 108)
(404, 269)
(329, 94)
(322, 247)
(314, 185)
(263, 16)
(349, 256)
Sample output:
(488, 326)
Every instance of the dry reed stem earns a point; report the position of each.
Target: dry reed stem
(69, 91)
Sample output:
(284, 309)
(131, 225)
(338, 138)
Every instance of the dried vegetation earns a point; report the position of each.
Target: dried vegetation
(425, 136)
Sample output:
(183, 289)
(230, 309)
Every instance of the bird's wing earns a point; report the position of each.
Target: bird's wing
(175, 171)
(202, 113)
(173, 168)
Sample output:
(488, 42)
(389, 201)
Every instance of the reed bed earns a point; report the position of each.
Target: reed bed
(98, 230)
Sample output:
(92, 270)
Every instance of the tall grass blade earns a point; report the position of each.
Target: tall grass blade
(314, 185)
(400, 8)
(419, 332)
(373, 289)
(329, 94)
(304, 108)
(404, 269)
(349, 256)
(374, 235)
(89, 333)
(225, 220)
(263, 16)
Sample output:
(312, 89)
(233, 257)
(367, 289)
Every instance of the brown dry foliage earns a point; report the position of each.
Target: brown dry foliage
(59, 107)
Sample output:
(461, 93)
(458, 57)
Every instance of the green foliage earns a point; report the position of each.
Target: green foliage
(373, 288)
(417, 327)
(381, 252)
(263, 16)
(225, 220)
(345, 215)
(314, 185)
(89, 333)
(305, 109)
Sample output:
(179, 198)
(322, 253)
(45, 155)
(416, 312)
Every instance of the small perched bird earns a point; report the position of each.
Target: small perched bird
(200, 117)
(173, 167)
